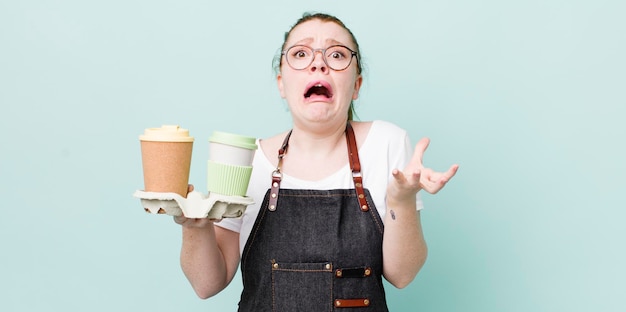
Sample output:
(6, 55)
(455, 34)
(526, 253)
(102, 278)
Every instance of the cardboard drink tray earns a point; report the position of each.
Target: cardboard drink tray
(196, 205)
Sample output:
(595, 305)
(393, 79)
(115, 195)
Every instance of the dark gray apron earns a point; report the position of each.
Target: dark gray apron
(315, 250)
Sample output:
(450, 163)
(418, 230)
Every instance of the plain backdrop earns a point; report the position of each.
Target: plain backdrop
(527, 96)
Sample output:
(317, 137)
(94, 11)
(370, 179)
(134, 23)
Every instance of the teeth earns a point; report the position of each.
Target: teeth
(319, 85)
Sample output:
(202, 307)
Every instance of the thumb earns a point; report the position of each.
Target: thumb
(420, 149)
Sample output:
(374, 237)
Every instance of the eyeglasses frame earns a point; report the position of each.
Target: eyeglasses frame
(323, 51)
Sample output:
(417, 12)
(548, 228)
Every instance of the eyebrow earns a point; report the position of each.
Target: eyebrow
(328, 41)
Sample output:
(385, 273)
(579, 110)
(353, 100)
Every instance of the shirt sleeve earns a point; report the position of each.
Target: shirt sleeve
(233, 224)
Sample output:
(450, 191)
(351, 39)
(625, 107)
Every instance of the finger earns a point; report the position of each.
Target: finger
(433, 187)
(180, 219)
(450, 173)
(420, 148)
(415, 177)
(190, 188)
(399, 176)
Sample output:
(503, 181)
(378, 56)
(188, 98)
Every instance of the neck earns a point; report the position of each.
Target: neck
(318, 140)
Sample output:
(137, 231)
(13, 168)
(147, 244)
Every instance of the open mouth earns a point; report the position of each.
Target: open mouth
(318, 90)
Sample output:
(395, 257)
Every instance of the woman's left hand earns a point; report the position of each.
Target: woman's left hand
(416, 177)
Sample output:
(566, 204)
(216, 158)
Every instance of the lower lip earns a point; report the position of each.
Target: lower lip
(318, 98)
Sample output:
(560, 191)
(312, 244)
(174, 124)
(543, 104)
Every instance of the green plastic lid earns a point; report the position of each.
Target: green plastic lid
(233, 139)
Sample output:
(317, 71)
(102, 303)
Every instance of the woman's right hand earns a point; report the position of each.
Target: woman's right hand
(192, 222)
(209, 254)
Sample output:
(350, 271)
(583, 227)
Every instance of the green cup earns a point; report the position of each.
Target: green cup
(230, 163)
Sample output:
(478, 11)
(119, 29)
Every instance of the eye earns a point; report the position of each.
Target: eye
(337, 53)
(299, 53)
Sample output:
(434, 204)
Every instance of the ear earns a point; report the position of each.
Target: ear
(357, 87)
(281, 87)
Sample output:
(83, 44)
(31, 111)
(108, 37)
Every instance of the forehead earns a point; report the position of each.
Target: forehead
(317, 32)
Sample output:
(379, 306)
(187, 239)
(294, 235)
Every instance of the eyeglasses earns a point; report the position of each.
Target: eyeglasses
(336, 57)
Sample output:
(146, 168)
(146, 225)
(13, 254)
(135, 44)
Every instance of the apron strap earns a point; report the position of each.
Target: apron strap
(355, 165)
(277, 176)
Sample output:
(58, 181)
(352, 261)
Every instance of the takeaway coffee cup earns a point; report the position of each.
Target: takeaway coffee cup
(166, 159)
(230, 163)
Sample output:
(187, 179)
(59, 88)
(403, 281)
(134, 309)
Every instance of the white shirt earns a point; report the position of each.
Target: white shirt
(386, 147)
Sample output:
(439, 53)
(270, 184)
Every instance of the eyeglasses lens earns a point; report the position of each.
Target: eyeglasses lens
(336, 57)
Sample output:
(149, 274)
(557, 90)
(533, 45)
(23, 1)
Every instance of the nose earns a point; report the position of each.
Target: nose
(318, 62)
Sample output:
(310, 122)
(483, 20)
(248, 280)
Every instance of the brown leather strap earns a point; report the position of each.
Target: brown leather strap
(277, 176)
(352, 303)
(355, 165)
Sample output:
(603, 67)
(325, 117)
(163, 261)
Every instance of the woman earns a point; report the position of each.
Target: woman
(333, 214)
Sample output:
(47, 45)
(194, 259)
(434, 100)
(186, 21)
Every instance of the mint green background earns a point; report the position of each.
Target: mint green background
(527, 96)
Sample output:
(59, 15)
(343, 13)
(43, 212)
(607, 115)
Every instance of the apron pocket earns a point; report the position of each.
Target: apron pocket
(302, 286)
